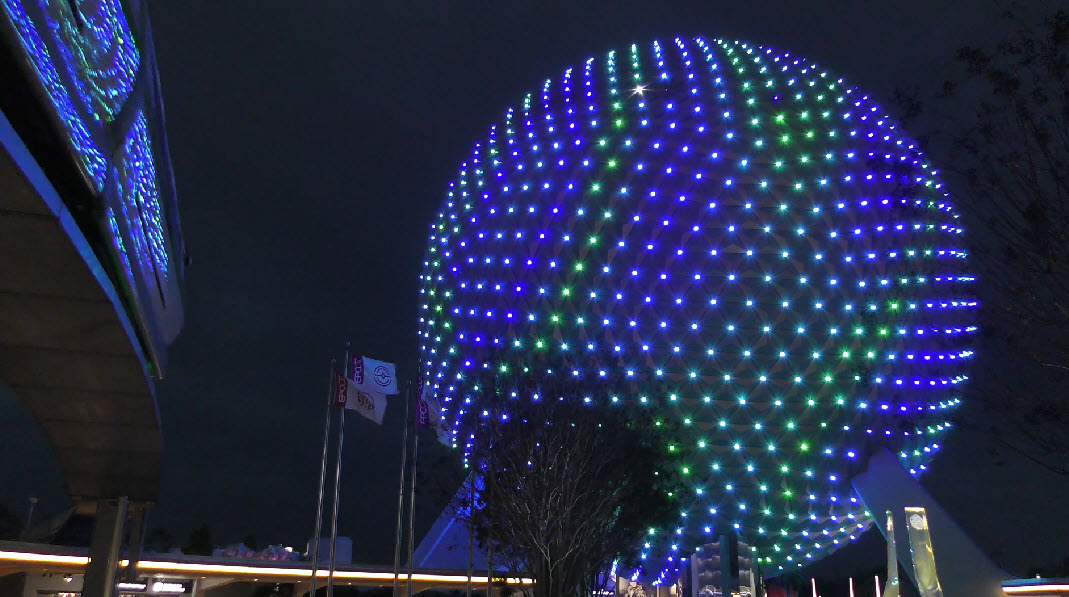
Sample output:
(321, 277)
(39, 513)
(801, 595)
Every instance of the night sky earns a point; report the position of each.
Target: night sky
(312, 143)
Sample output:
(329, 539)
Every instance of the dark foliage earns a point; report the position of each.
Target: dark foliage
(9, 525)
(1016, 152)
(1053, 570)
(159, 540)
(1004, 128)
(200, 542)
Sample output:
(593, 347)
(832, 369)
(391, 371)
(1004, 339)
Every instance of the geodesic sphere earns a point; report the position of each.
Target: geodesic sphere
(729, 240)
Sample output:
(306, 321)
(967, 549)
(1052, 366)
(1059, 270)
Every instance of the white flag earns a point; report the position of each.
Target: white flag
(373, 376)
(368, 403)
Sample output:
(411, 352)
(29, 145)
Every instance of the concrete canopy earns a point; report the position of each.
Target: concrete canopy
(67, 347)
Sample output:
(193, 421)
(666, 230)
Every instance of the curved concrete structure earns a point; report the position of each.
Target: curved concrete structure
(89, 238)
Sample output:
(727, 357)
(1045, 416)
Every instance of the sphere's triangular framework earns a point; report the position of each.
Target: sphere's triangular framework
(731, 240)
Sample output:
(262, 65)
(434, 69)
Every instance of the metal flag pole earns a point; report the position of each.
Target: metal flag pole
(471, 528)
(322, 481)
(401, 496)
(489, 522)
(490, 561)
(412, 502)
(337, 484)
(337, 490)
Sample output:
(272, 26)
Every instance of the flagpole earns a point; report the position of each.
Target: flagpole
(337, 484)
(489, 560)
(412, 507)
(489, 529)
(322, 482)
(401, 496)
(337, 490)
(471, 527)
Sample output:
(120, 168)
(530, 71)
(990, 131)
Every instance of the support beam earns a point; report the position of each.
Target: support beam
(137, 522)
(729, 563)
(100, 572)
(967, 571)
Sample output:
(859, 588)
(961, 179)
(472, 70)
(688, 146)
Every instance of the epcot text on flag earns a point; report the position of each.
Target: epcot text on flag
(369, 404)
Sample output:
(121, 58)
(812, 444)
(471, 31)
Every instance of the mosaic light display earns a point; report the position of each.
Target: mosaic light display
(89, 83)
(91, 156)
(135, 177)
(731, 241)
(118, 244)
(98, 52)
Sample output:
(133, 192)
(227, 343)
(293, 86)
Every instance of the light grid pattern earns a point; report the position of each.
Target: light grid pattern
(731, 241)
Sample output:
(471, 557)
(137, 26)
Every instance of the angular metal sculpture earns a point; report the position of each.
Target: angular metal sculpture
(891, 588)
(967, 571)
(920, 547)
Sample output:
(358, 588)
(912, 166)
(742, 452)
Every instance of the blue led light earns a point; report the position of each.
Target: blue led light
(91, 156)
(98, 51)
(135, 176)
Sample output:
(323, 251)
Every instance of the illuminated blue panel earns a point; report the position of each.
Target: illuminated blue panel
(98, 50)
(732, 241)
(135, 177)
(91, 156)
(120, 247)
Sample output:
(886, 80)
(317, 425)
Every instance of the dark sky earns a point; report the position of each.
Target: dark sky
(312, 142)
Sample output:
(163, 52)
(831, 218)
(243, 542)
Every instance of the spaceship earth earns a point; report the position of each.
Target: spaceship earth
(730, 240)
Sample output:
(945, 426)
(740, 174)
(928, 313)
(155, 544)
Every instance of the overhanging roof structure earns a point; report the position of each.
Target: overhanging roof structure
(67, 347)
(92, 252)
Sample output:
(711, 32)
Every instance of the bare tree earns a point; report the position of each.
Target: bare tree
(569, 483)
(1006, 120)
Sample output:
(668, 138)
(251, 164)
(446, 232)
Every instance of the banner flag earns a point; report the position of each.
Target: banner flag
(373, 376)
(371, 405)
(429, 415)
